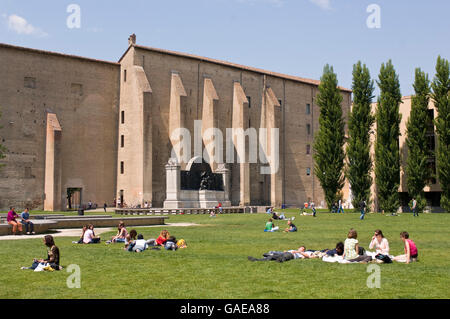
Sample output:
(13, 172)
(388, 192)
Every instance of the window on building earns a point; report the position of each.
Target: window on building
(124, 75)
(308, 108)
(308, 149)
(76, 89)
(122, 140)
(308, 129)
(430, 124)
(249, 101)
(280, 102)
(308, 171)
(122, 117)
(29, 82)
(121, 168)
(28, 172)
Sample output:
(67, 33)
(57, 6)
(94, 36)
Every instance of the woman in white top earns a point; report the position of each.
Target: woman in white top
(380, 243)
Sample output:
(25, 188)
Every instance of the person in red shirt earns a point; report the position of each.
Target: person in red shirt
(11, 219)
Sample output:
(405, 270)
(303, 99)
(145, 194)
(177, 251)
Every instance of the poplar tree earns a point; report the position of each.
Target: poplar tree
(329, 141)
(417, 170)
(387, 153)
(359, 161)
(440, 95)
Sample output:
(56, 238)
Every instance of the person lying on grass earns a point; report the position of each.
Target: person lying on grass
(276, 216)
(161, 240)
(282, 256)
(130, 237)
(270, 227)
(291, 227)
(53, 256)
(411, 252)
(121, 234)
(138, 245)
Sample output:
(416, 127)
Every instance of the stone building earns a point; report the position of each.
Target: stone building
(93, 130)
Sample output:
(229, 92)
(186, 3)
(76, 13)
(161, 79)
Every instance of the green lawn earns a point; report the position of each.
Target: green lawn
(215, 263)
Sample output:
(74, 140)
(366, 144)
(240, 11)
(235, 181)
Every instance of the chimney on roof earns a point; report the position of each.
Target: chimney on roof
(132, 39)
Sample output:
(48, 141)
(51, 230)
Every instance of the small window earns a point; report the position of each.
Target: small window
(122, 140)
(249, 101)
(308, 108)
(308, 149)
(280, 102)
(122, 117)
(121, 168)
(308, 171)
(29, 82)
(308, 129)
(124, 75)
(76, 89)
(28, 172)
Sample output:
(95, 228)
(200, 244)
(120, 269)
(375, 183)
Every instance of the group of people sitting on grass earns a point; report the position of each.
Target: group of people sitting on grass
(12, 217)
(270, 226)
(350, 251)
(133, 241)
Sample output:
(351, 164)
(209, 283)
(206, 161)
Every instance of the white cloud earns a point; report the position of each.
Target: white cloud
(21, 26)
(323, 4)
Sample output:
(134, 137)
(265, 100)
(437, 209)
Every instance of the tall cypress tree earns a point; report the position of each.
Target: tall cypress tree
(440, 95)
(387, 153)
(417, 171)
(359, 162)
(329, 141)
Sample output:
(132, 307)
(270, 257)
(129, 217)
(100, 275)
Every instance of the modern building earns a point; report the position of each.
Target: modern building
(79, 129)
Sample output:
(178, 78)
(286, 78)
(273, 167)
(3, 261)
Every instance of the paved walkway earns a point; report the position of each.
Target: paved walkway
(76, 232)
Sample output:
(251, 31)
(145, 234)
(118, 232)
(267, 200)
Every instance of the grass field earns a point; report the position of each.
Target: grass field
(215, 263)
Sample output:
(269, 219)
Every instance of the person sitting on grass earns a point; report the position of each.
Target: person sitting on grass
(411, 252)
(29, 226)
(291, 227)
(161, 240)
(279, 217)
(80, 241)
(351, 245)
(138, 245)
(53, 256)
(129, 238)
(89, 236)
(121, 234)
(282, 256)
(352, 251)
(270, 227)
(380, 243)
(11, 219)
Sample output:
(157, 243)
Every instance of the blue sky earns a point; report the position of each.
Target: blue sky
(295, 37)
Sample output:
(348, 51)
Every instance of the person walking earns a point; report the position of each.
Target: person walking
(362, 207)
(340, 209)
(414, 207)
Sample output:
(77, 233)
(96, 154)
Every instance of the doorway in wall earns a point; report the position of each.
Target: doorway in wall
(73, 198)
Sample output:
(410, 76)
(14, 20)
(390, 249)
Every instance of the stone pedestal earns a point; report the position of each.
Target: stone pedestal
(173, 184)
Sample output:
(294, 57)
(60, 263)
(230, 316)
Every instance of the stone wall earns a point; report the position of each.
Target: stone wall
(84, 95)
